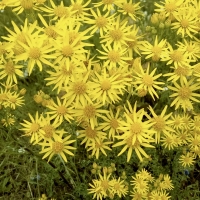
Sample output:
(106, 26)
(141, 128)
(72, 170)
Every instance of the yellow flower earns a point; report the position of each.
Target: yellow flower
(100, 22)
(33, 128)
(113, 56)
(117, 34)
(91, 135)
(187, 160)
(99, 146)
(22, 5)
(161, 123)
(10, 69)
(153, 51)
(60, 111)
(105, 88)
(147, 81)
(8, 121)
(168, 141)
(59, 145)
(108, 4)
(14, 100)
(186, 22)
(130, 9)
(184, 94)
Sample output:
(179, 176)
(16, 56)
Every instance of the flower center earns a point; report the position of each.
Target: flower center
(147, 80)
(78, 8)
(26, 4)
(176, 56)
(61, 110)
(184, 93)
(34, 53)
(136, 128)
(89, 111)
(13, 100)
(9, 68)
(114, 56)
(105, 184)
(114, 123)
(170, 7)
(48, 129)
(101, 22)
(79, 88)
(181, 71)
(156, 50)
(160, 124)
(90, 133)
(105, 85)
(57, 147)
(61, 11)
(35, 127)
(142, 92)
(129, 8)
(67, 51)
(116, 34)
(184, 23)
(51, 32)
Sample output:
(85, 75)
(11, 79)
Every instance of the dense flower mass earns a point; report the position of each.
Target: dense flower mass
(104, 81)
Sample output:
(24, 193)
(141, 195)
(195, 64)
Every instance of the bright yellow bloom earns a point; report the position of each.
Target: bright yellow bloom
(119, 187)
(187, 160)
(140, 184)
(59, 145)
(147, 81)
(153, 51)
(60, 111)
(184, 94)
(108, 4)
(13, 100)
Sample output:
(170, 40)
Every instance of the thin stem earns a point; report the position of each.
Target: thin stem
(30, 189)
(38, 186)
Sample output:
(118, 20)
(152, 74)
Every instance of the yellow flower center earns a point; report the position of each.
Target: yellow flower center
(184, 93)
(61, 110)
(184, 23)
(78, 8)
(57, 147)
(48, 129)
(142, 92)
(170, 7)
(108, 1)
(197, 123)
(34, 53)
(67, 51)
(176, 56)
(147, 80)
(114, 56)
(51, 32)
(9, 68)
(79, 88)
(159, 124)
(35, 127)
(89, 111)
(116, 34)
(181, 71)
(61, 11)
(13, 100)
(136, 128)
(3, 97)
(101, 22)
(129, 8)
(114, 123)
(190, 48)
(27, 4)
(105, 184)
(90, 133)
(156, 50)
(98, 145)
(105, 85)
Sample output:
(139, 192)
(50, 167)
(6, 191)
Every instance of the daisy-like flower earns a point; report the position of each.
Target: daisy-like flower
(22, 5)
(169, 7)
(89, 112)
(140, 184)
(179, 73)
(153, 51)
(186, 23)
(187, 160)
(194, 141)
(177, 121)
(161, 123)
(168, 142)
(176, 56)
(60, 111)
(117, 34)
(99, 146)
(106, 88)
(36, 52)
(14, 100)
(111, 123)
(91, 135)
(33, 128)
(59, 145)
(113, 56)
(78, 89)
(8, 121)
(10, 69)
(184, 94)
(130, 9)
(147, 81)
